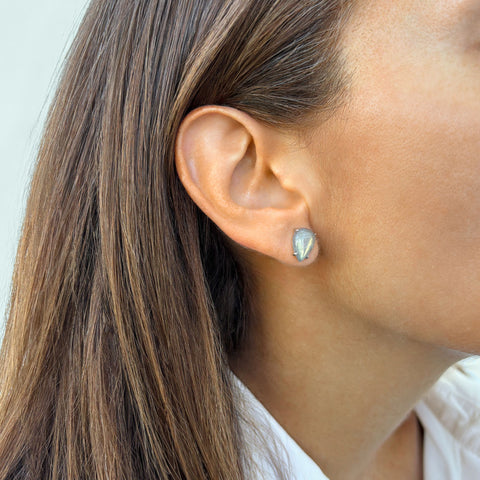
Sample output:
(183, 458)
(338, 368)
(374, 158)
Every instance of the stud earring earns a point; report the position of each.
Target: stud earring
(303, 242)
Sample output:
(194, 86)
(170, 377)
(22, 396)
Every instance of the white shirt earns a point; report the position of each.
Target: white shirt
(449, 414)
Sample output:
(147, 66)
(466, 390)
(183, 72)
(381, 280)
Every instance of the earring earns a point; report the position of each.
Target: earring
(303, 242)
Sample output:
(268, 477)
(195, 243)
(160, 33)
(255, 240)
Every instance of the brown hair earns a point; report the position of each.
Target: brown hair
(126, 300)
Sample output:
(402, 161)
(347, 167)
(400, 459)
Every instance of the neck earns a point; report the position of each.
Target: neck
(341, 386)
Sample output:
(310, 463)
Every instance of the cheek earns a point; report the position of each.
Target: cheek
(406, 216)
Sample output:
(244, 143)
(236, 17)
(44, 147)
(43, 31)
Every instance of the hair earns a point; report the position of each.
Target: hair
(126, 299)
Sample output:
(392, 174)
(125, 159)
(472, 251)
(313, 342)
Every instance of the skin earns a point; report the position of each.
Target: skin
(347, 342)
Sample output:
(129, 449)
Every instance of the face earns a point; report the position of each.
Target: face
(399, 210)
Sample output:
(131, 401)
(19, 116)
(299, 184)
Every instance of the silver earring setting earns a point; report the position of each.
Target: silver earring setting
(303, 243)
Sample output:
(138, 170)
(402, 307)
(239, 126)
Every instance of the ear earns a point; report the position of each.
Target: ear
(236, 170)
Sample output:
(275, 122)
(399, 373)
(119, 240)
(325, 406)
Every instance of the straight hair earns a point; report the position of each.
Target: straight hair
(126, 299)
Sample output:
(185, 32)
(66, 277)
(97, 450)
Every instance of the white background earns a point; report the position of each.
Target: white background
(34, 37)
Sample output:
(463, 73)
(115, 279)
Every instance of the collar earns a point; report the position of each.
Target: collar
(449, 414)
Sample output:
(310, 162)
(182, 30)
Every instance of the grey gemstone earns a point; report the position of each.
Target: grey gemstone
(303, 242)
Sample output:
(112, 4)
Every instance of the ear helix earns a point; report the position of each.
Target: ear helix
(303, 242)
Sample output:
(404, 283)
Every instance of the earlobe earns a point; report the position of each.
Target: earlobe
(227, 162)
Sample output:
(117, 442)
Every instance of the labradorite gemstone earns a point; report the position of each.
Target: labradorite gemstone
(303, 241)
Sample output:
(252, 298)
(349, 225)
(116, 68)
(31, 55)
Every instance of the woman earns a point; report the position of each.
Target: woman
(251, 247)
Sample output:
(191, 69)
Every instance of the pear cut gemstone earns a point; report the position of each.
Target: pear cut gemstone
(303, 242)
